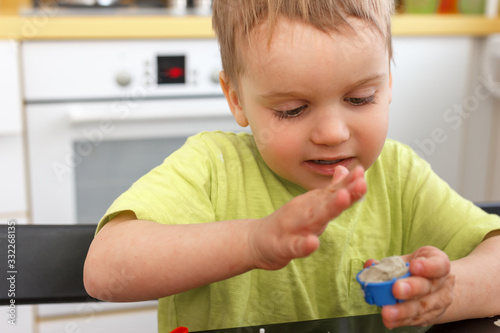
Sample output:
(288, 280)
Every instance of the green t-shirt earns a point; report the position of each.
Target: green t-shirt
(219, 176)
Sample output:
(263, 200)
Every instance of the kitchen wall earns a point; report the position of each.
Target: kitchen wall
(443, 109)
(480, 176)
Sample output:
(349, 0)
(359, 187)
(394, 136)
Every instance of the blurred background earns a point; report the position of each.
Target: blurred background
(95, 93)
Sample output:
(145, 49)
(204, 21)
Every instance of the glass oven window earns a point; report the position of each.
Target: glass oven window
(110, 168)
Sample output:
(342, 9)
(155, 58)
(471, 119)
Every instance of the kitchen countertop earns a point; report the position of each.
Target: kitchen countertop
(47, 25)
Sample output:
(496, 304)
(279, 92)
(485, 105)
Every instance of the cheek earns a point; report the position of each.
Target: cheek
(269, 132)
(374, 134)
(273, 143)
(278, 146)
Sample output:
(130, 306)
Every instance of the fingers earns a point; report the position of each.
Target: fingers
(429, 262)
(304, 246)
(427, 293)
(312, 212)
(318, 207)
(293, 230)
(353, 182)
(421, 311)
(416, 286)
(342, 177)
(429, 268)
(340, 173)
(370, 262)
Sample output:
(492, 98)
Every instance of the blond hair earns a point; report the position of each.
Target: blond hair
(233, 19)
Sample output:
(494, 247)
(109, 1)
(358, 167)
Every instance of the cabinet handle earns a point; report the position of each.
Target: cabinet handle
(163, 111)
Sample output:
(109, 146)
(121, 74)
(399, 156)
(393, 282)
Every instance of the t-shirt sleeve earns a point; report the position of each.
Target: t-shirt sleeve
(176, 192)
(439, 216)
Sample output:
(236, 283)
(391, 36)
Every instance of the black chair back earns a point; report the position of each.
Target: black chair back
(43, 263)
(490, 207)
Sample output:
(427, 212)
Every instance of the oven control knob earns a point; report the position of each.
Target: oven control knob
(123, 79)
(215, 76)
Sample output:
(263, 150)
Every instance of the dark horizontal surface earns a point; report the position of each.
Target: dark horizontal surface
(482, 325)
(48, 263)
(368, 323)
(490, 207)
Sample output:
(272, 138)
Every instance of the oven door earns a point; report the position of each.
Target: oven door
(82, 156)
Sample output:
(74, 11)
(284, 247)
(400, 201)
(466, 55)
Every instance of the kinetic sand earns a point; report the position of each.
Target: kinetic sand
(387, 269)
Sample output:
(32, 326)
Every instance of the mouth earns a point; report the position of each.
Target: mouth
(327, 162)
(327, 167)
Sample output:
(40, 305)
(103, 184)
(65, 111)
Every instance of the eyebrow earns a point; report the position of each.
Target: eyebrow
(277, 94)
(375, 77)
(280, 93)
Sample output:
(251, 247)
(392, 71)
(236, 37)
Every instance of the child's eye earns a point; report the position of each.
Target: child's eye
(290, 113)
(360, 101)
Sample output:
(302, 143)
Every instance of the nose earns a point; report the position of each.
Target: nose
(331, 128)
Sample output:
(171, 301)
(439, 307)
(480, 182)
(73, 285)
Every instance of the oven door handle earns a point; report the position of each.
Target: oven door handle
(85, 114)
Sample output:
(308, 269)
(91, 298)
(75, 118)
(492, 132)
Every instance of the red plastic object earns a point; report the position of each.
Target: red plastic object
(180, 329)
(448, 7)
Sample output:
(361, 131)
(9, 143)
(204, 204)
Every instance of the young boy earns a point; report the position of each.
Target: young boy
(227, 231)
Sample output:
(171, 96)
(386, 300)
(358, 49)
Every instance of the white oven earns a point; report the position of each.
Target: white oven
(102, 113)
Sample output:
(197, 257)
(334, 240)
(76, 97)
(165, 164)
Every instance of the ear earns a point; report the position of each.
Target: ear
(233, 100)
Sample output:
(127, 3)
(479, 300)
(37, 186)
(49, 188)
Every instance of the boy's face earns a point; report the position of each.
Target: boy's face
(314, 100)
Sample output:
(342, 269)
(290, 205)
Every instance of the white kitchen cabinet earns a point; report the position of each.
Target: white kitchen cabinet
(10, 96)
(47, 311)
(481, 163)
(144, 321)
(12, 177)
(91, 317)
(429, 77)
(17, 320)
(12, 159)
(442, 110)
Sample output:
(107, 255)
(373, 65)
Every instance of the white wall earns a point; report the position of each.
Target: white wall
(442, 110)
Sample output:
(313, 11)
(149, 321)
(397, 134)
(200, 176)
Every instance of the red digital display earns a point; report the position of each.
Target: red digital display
(171, 69)
(174, 72)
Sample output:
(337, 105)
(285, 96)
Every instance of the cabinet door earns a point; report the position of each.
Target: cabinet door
(430, 78)
(12, 178)
(12, 166)
(17, 319)
(144, 321)
(10, 92)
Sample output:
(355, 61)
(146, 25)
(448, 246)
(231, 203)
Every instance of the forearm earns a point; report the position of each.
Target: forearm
(131, 260)
(477, 291)
(143, 260)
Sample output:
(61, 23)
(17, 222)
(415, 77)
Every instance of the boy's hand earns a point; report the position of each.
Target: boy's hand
(293, 230)
(427, 293)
